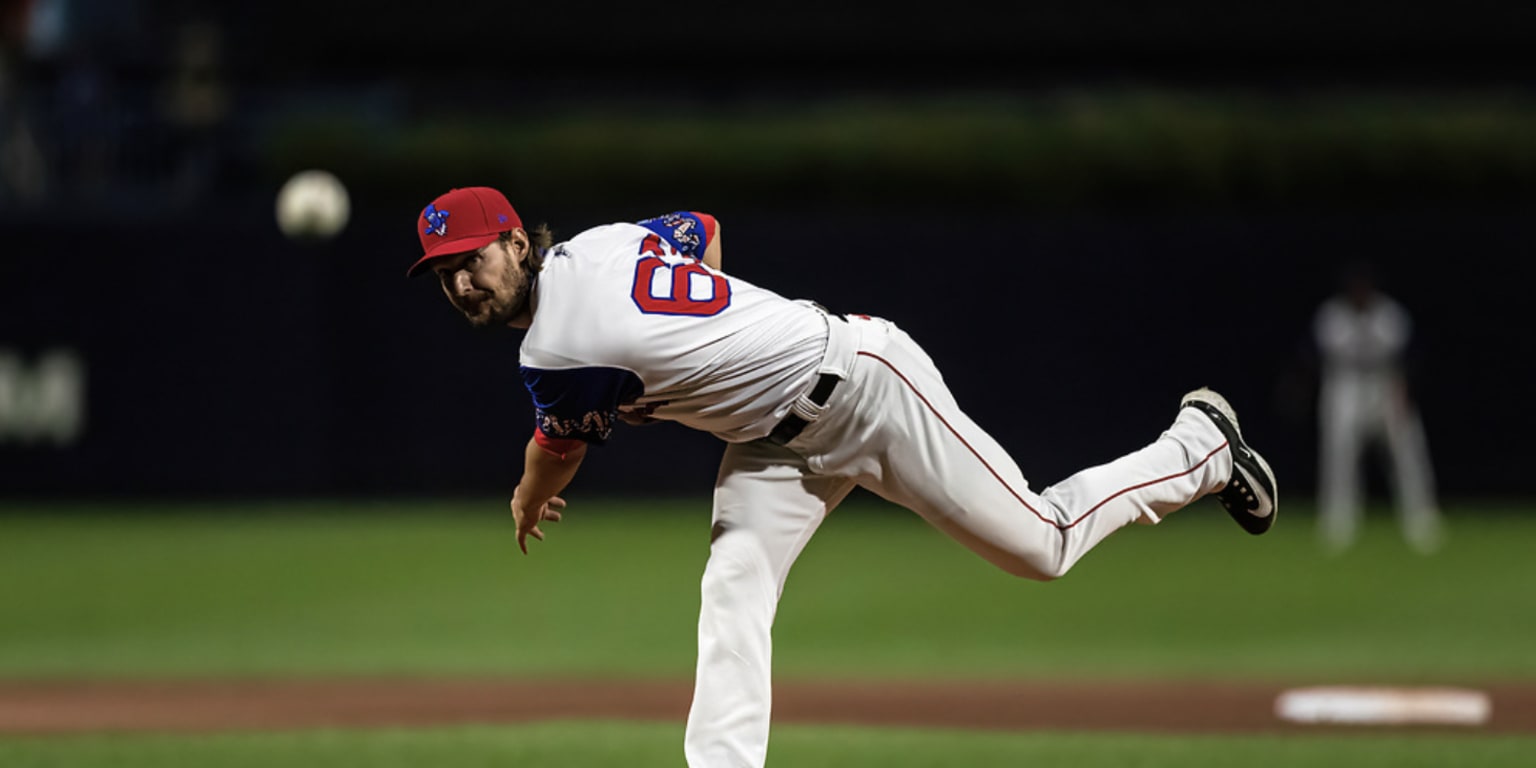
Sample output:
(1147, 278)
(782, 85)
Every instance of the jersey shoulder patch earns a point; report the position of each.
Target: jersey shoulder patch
(688, 232)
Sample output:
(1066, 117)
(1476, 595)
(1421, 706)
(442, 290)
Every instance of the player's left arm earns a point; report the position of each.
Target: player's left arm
(573, 407)
(546, 473)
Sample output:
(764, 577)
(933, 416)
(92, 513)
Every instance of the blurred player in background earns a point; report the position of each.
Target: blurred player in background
(636, 322)
(1363, 338)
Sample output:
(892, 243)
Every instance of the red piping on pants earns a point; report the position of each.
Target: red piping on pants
(1000, 479)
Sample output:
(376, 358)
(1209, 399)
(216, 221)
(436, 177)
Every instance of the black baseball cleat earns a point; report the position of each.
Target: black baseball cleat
(1250, 495)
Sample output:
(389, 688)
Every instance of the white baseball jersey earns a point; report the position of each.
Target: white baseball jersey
(1362, 343)
(628, 316)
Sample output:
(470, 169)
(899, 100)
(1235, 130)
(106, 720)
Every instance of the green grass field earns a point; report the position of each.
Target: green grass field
(418, 589)
(643, 744)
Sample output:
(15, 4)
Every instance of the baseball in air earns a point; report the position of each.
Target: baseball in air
(313, 205)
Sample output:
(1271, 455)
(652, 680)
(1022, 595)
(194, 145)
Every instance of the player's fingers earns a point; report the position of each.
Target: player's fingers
(552, 516)
(555, 502)
(537, 534)
(522, 541)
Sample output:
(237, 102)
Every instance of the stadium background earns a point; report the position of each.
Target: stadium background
(1084, 211)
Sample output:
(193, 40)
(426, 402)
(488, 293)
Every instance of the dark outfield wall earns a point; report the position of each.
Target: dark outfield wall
(212, 357)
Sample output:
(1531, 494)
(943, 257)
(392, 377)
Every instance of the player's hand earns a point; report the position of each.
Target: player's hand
(640, 415)
(528, 520)
(636, 419)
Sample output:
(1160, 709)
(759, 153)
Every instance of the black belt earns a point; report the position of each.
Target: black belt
(792, 425)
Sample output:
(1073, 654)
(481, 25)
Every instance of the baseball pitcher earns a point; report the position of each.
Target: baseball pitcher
(635, 321)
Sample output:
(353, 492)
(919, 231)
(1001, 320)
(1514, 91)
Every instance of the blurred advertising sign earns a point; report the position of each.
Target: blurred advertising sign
(42, 401)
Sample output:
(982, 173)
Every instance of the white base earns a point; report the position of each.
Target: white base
(1384, 706)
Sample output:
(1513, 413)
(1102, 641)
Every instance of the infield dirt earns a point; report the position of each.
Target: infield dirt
(73, 707)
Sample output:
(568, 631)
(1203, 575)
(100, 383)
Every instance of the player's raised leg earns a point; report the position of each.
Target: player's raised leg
(767, 506)
(939, 463)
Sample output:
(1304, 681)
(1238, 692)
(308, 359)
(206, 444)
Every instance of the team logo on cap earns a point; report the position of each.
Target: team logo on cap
(437, 221)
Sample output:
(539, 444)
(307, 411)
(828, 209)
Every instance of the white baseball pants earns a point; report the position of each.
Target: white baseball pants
(893, 427)
(1354, 412)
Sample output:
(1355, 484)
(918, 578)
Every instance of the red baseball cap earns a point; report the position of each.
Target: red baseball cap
(462, 220)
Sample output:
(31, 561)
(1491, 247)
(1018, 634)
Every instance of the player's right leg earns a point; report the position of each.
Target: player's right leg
(767, 506)
(932, 458)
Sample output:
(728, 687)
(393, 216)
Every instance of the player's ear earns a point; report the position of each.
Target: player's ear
(517, 241)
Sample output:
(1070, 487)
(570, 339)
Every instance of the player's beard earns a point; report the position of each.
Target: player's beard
(503, 304)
